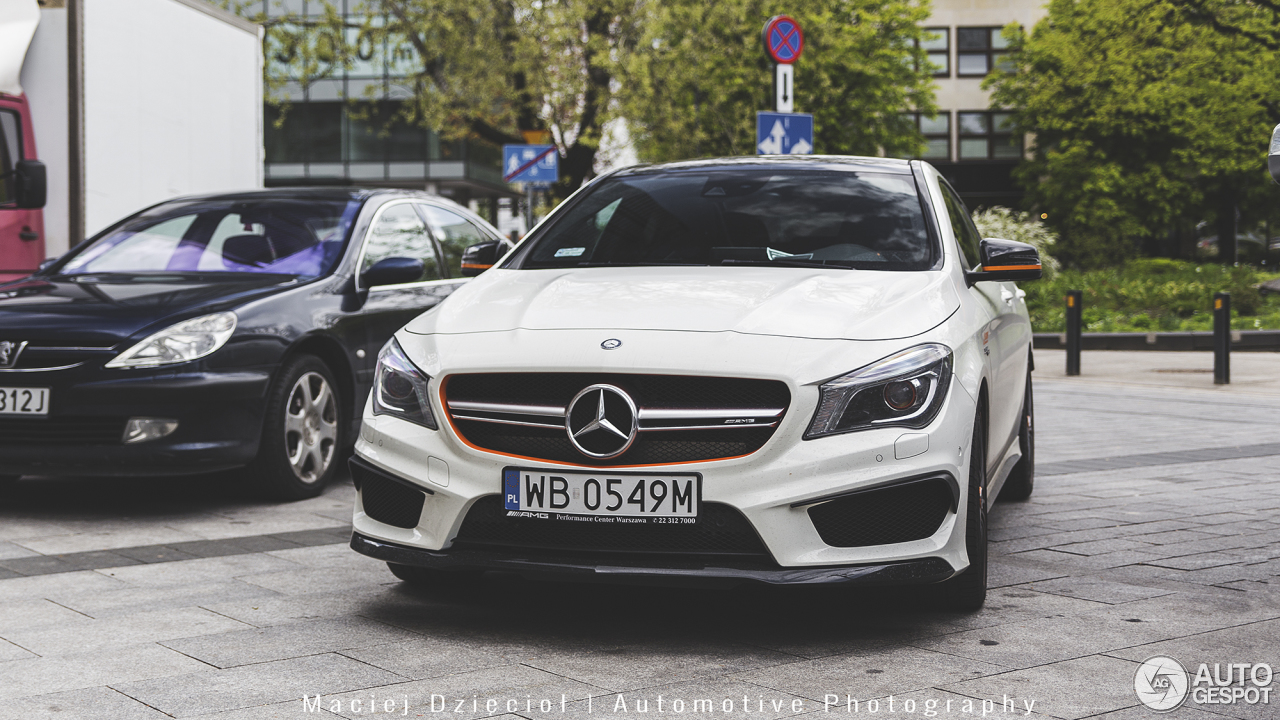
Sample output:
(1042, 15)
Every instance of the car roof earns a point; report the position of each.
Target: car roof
(311, 193)
(793, 162)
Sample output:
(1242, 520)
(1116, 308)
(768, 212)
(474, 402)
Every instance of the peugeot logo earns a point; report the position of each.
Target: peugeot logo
(601, 421)
(9, 352)
(611, 344)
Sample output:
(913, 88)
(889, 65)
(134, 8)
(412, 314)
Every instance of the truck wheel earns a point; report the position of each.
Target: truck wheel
(967, 591)
(1022, 479)
(302, 434)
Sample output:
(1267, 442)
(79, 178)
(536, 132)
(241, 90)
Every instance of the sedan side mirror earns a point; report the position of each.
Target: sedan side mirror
(392, 271)
(46, 264)
(1005, 260)
(480, 257)
(1273, 158)
(32, 184)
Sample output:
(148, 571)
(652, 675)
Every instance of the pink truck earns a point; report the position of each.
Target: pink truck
(22, 191)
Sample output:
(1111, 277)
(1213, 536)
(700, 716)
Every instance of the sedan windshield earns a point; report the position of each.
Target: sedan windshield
(739, 216)
(299, 237)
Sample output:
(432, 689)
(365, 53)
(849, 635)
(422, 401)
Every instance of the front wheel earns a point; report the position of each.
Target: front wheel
(968, 591)
(302, 433)
(1022, 479)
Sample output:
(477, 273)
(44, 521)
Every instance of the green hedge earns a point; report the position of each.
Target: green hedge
(1154, 295)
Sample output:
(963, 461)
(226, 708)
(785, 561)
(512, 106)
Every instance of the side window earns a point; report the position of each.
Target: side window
(962, 225)
(456, 234)
(399, 232)
(10, 154)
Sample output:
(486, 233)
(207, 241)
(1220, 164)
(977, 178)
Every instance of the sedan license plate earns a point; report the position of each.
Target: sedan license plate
(601, 496)
(24, 401)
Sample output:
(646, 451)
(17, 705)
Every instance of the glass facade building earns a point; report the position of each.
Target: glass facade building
(341, 129)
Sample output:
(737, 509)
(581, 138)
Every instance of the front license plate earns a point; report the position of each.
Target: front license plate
(601, 496)
(24, 401)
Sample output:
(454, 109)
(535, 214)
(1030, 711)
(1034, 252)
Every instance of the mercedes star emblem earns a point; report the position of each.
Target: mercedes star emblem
(611, 344)
(601, 421)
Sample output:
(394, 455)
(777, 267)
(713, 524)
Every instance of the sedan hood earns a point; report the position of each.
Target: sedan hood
(788, 302)
(102, 310)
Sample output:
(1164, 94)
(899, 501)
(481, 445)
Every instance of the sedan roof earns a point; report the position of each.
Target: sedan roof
(793, 162)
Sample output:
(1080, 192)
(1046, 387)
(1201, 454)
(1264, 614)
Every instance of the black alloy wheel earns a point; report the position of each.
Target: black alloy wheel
(303, 431)
(967, 591)
(1022, 479)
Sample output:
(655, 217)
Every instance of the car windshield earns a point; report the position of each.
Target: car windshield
(299, 237)
(742, 216)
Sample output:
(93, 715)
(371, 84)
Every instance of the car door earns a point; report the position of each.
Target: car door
(989, 297)
(400, 230)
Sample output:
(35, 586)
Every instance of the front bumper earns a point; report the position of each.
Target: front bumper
(923, 570)
(219, 416)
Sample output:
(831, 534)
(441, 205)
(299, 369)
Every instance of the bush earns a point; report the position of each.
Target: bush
(1153, 295)
(1001, 222)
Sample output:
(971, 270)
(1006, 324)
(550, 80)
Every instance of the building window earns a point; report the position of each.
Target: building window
(937, 43)
(937, 135)
(980, 50)
(988, 135)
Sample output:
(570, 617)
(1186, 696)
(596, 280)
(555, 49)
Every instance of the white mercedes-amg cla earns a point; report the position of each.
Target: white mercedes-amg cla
(781, 370)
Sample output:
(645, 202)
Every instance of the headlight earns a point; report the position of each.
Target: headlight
(400, 388)
(186, 341)
(905, 389)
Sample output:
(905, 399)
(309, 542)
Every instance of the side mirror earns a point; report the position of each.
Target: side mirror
(32, 184)
(1005, 260)
(46, 264)
(1273, 157)
(392, 271)
(480, 257)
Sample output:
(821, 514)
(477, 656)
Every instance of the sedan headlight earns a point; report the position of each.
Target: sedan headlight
(905, 389)
(188, 340)
(400, 388)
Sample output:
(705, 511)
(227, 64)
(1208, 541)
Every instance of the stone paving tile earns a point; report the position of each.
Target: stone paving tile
(275, 609)
(501, 684)
(1070, 689)
(95, 703)
(9, 651)
(944, 704)
(130, 600)
(1015, 572)
(123, 535)
(10, 551)
(310, 580)
(40, 676)
(420, 657)
(1098, 589)
(209, 691)
(30, 614)
(112, 633)
(874, 673)
(198, 570)
(258, 645)
(1257, 642)
(290, 710)
(22, 588)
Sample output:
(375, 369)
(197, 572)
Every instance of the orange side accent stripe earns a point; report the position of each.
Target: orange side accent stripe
(1004, 267)
(458, 434)
(476, 266)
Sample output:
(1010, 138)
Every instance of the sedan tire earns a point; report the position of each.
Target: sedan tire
(302, 434)
(1022, 478)
(967, 591)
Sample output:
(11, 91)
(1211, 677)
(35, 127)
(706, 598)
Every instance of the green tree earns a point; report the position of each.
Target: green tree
(1146, 120)
(700, 74)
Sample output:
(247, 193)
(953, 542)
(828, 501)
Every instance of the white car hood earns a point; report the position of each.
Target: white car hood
(787, 302)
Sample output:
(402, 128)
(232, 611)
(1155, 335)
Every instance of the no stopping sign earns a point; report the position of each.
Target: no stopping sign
(783, 39)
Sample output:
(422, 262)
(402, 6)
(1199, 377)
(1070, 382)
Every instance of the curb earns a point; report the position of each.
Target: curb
(1241, 341)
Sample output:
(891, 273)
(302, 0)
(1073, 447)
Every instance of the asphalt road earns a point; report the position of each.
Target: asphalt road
(1154, 530)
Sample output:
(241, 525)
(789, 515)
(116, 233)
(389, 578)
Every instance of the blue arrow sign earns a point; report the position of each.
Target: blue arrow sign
(784, 133)
(536, 164)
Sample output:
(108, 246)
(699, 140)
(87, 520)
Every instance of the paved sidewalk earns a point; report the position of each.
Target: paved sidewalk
(1154, 529)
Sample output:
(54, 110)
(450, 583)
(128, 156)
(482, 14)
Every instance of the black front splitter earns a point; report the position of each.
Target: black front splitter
(924, 570)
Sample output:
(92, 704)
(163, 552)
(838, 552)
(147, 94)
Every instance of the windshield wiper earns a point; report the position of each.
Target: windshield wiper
(787, 262)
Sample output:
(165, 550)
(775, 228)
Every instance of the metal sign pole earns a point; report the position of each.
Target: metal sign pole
(528, 207)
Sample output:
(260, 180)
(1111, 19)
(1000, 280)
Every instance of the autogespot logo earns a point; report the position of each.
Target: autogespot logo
(1161, 683)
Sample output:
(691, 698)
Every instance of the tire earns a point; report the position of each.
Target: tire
(302, 432)
(1022, 479)
(967, 591)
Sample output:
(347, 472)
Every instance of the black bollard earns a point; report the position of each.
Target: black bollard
(1221, 338)
(1075, 306)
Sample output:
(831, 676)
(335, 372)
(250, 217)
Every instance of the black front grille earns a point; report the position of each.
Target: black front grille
(648, 391)
(62, 431)
(386, 500)
(899, 513)
(721, 532)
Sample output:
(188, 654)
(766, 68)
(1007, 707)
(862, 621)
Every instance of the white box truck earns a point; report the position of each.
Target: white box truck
(107, 106)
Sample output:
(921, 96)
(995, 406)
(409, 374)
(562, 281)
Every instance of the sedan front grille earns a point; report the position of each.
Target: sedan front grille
(679, 418)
